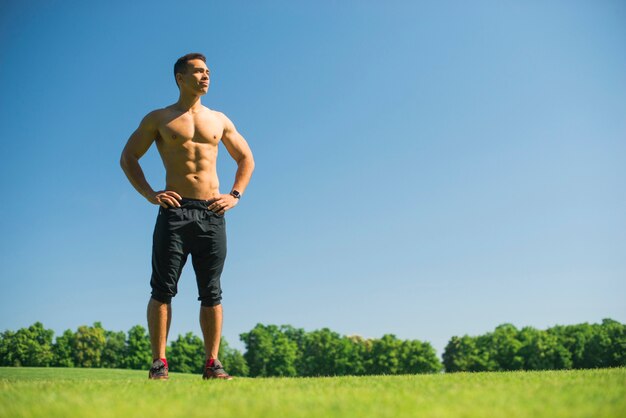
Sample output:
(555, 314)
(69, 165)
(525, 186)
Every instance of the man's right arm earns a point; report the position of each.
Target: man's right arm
(137, 145)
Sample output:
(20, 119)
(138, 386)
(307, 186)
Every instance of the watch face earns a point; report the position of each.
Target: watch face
(236, 194)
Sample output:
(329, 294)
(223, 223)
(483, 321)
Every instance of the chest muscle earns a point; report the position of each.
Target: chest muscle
(195, 128)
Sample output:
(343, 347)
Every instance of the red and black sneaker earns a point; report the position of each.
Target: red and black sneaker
(158, 371)
(215, 370)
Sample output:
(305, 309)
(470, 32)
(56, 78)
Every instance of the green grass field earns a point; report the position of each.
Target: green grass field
(51, 392)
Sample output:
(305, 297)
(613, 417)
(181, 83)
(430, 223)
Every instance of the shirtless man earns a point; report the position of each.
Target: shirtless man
(191, 213)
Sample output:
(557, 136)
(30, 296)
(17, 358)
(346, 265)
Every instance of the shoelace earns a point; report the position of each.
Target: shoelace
(157, 369)
(217, 368)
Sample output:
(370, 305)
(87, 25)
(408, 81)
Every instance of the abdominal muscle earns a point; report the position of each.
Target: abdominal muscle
(191, 170)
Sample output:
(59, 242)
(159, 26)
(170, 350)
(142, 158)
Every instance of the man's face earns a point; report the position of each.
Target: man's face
(195, 79)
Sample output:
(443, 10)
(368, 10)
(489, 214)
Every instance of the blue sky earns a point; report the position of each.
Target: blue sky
(426, 169)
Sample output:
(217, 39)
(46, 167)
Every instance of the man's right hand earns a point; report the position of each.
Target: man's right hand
(166, 198)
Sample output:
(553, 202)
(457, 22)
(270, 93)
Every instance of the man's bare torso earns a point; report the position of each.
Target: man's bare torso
(188, 145)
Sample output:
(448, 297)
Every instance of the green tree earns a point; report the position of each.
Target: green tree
(607, 345)
(269, 352)
(358, 353)
(297, 336)
(616, 354)
(62, 353)
(504, 348)
(574, 338)
(418, 357)
(543, 351)
(186, 354)
(324, 353)
(465, 354)
(138, 351)
(30, 347)
(232, 359)
(591, 346)
(6, 354)
(384, 356)
(114, 352)
(486, 356)
(88, 345)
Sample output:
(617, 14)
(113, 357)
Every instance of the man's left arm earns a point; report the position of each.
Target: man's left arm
(239, 150)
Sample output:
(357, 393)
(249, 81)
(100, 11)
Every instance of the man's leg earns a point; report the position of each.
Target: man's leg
(211, 324)
(208, 255)
(168, 260)
(159, 320)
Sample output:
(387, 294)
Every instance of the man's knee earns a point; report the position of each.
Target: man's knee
(210, 303)
(166, 299)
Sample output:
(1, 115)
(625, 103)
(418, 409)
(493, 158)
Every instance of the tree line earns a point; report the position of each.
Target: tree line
(273, 350)
(93, 346)
(581, 346)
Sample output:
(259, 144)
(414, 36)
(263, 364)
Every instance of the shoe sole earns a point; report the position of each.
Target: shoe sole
(217, 378)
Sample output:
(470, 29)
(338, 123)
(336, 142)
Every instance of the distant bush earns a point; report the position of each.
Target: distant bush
(560, 347)
(287, 351)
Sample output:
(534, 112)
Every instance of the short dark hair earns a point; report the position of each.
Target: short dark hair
(181, 63)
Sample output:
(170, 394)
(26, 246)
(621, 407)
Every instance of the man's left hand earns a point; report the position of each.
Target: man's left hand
(223, 203)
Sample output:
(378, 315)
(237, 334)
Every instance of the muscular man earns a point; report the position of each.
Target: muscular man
(191, 213)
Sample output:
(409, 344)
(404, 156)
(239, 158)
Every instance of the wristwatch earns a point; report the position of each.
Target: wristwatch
(235, 194)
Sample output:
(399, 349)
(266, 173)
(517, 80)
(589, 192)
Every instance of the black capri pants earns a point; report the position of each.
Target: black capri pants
(190, 229)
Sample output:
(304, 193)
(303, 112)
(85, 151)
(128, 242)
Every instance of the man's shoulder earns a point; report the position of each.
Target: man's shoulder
(215, 113)
(156, 115)
(223, 118)
(166, 111)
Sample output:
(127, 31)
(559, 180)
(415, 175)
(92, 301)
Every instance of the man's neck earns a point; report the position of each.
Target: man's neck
(187, 103)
